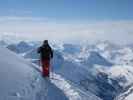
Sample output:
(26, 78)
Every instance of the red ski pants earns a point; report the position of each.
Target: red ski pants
(45, 67)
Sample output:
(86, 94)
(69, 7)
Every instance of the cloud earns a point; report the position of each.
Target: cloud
(44, 28)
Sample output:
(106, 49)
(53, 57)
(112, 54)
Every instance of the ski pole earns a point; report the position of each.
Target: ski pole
(39, 63)
(52, 75)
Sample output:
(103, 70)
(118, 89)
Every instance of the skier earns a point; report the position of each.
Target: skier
(46, 54)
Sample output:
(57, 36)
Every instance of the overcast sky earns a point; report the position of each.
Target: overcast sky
(68, 20)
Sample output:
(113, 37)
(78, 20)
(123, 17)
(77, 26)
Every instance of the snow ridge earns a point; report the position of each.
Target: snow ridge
(66, 87)
(71, 91)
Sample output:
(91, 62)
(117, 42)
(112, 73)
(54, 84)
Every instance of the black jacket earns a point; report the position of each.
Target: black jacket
(46, 52)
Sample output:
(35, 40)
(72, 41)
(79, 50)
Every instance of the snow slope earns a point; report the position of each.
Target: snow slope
(20, 81)
(72, 90)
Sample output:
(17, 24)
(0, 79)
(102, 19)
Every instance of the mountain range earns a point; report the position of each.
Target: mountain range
(103, 69)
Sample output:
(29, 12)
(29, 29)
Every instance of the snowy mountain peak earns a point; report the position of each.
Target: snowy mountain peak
(95, 58)
(3, 43)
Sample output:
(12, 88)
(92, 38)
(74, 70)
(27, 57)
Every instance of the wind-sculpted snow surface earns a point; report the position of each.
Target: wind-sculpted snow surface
(20, 81)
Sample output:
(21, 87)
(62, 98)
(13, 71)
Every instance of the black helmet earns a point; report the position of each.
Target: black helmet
(45, 42)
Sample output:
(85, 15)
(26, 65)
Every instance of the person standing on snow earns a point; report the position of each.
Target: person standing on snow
(46, 54)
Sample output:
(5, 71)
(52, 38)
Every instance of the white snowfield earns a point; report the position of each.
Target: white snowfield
(19, 81)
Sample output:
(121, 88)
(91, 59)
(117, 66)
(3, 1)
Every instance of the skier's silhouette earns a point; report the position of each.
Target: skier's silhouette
(46, 53)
